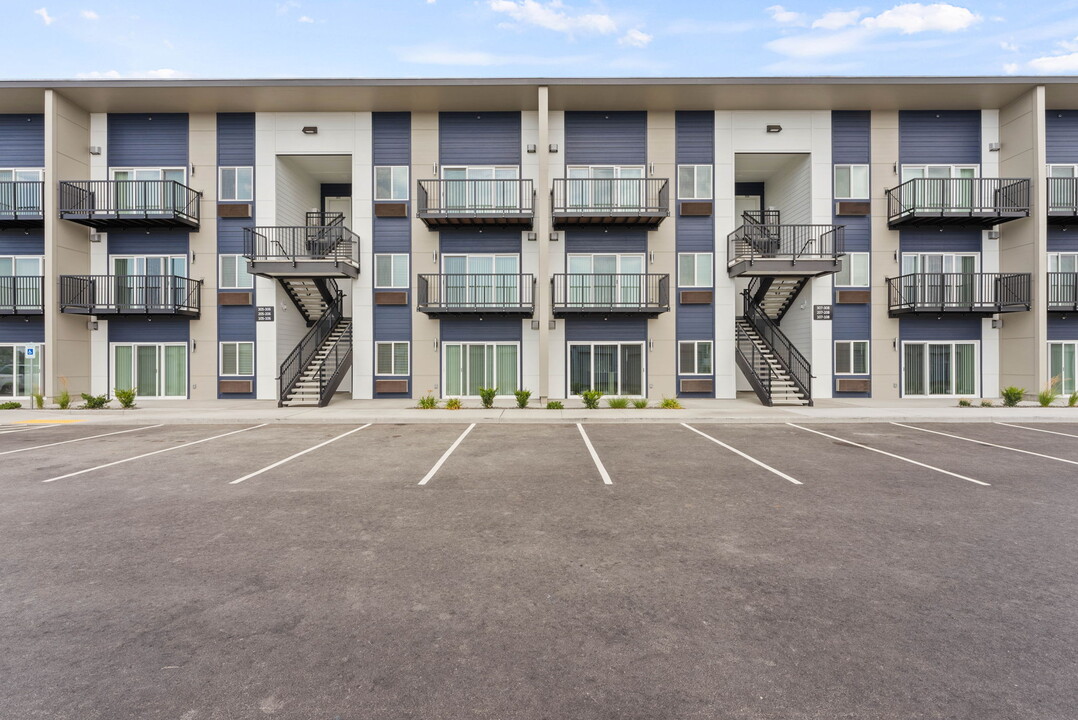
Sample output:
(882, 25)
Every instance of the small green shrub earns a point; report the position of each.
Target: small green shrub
(126, 397)
(555, 405)
(453, 404)
(486, 396)
(617, 403)
(64, 400)
(670, 404)
(987, 403)
(94, 402)
(10, 405)
(1072, 399)
(522, 398)
(591, 398)
(427, 402)
(964, 403)
(39, 401)
(640, 403)
(1012, 396)
(1047, 396)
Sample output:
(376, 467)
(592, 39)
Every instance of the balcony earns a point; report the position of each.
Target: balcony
(120, 204)
(772, 250)
(962, 293)
(957, 202)
(21, 295)
(314, 251)
(1062, 201)
(604, 294)
(1063, 292)
(20, 204)
(485, 203)
(500, 294)
(130, 295)
(599, 202)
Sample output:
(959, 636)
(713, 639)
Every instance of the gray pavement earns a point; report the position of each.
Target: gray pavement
(701, 583)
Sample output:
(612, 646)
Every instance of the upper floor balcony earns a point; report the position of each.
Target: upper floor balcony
(642, 294)
(1062, 201)
(476, 202)
(119, 204)
(313, 251)
(598, 202)
(130, 295)
(771, 249)
(963, 293)
(21, 204)
(1063, 292)
(957, 202)
(503, 294)
(21, 295)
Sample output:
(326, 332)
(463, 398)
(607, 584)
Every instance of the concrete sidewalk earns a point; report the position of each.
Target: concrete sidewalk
(742, 410)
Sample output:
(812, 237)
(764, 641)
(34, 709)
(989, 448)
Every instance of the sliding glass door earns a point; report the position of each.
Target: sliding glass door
(16, 293)
(145, 190)
(606, 280)
(467, 367)
(1061, 357)
(158, 370)
(610, 368)
(482, 280)
(944, 369)
(150, 280)
(20, 370)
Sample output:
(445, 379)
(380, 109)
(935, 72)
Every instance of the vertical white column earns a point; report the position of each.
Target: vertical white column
(363, 286)
(266, 214)
(99, 260)
(822, 214)
(529, 254)
(555, 259)
(989, 257)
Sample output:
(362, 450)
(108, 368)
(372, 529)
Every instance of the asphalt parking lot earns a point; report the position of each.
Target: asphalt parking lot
(539, 571)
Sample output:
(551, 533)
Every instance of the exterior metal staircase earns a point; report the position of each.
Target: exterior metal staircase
(311, 296)
(777, 371)
(775, 295)
(313, 371)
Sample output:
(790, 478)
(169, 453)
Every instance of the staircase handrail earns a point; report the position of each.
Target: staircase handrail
(789, 356)
(297, 360)
(788, 242)
(750, 360)
(337, 361)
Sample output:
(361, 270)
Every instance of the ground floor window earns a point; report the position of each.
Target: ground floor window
(694, 357)
(939, 368)
(20, 370)
(851, 357)
(237, 358)
(610, 368)
(470, 366)
(391, 358)
(158, 370)
(1061, 366)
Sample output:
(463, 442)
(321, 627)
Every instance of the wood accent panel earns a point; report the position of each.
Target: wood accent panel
(853, 207)
(234, 210)
(228, 387)
(697, 385)
(390, 209)
(390, 297)
(391, 386)
(851, 297)
(229, 297)
(697, 297)
(696, 209)
(857, 385)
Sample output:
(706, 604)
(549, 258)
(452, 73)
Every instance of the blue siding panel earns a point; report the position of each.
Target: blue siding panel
(600, 329)
(616, 240)
(932, 240)
(606, 138)
(236, 139)
(1062, 328)
(393, 322)
(859, 232)
(23, 242)
(236, 322)
(479, 138)
(469, 240)
(939, 136)
(695, 234)
(1059, 240)
(155, 330)
(393, 234)
(22, 330)
(850, 136)
(1061, 128)
(140, 140)
(138, 242)
(230, 234)
(392, 133)
(22, 141)
(929, 327)
(851, 322)
(695, 131)
(695, 322)
(476, 330)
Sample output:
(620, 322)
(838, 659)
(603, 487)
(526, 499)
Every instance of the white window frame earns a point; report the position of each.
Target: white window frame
(708, 262)
(393, 171)
(850, 356)
(696, 357)
(919, 261)
(693, 192)
(1073, 167)
(976, 365)
(160, 364)
(493, 343)
(15, 258)
(1065, 386)
(953, 169)
(221, 358)
(852, 194)
(224, 283)
(394, 259)
(1055, 259)
(393, 355)
(221, 183)
(591, 369)
(36, 385)
(161, 170)
(847, 263)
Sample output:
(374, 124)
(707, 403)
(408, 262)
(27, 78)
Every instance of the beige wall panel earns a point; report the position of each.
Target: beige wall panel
(883, 354)
(203, 257)
(426, 356)
(662, 331)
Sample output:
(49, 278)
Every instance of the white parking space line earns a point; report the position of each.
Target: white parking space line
(65, 442)
(595, 456)
(290, 458)
(892, 455)
(26, 428)
(1050, 432)
(443, 458)
(751, 459)
(155, 452)
(982, 442)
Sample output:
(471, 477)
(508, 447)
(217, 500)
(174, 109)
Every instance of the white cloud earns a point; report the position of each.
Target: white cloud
(1008, 46)
(48, 19)
(786, 17)
(820, 45)
(552, 16)
(89, 15)
(1069, 45)
(1056, 63)
(635, 38)
(1010, 68)
(429, 55)
(837, 19)
(914, 18)
(284, 7)
(305, 19)
(162, 74)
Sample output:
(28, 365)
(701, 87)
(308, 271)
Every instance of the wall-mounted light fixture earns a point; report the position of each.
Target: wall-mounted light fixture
(774, 128)
(651, 344)
(651, 256)
(531, 148)
(553, 237)
(552, 324)
(95, 149)
(993, 234)
(91, 325)
(310, 129)
(894, 344)
(96, 237)
(993, 147)
(894, 168)
(194, 345)
(535, 324)
(434, 256)
(435, 343)
(533, 236)
(553, 147)
(997, 322)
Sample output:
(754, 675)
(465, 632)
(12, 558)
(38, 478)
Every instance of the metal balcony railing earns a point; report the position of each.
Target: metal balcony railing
(476, 293)
(603, 293)
(983, 293)
(1063, 292)
(980, 202)
(279, 248)
(1062, 200)
(610, 201)
(475, 202)
(129, 203)
(21, 203)
(130, 295)
(21, 295)
(793, 243)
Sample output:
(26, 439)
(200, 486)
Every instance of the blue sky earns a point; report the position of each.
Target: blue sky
(530, 38)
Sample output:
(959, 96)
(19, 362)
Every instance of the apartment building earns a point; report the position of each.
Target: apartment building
(298, 240)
